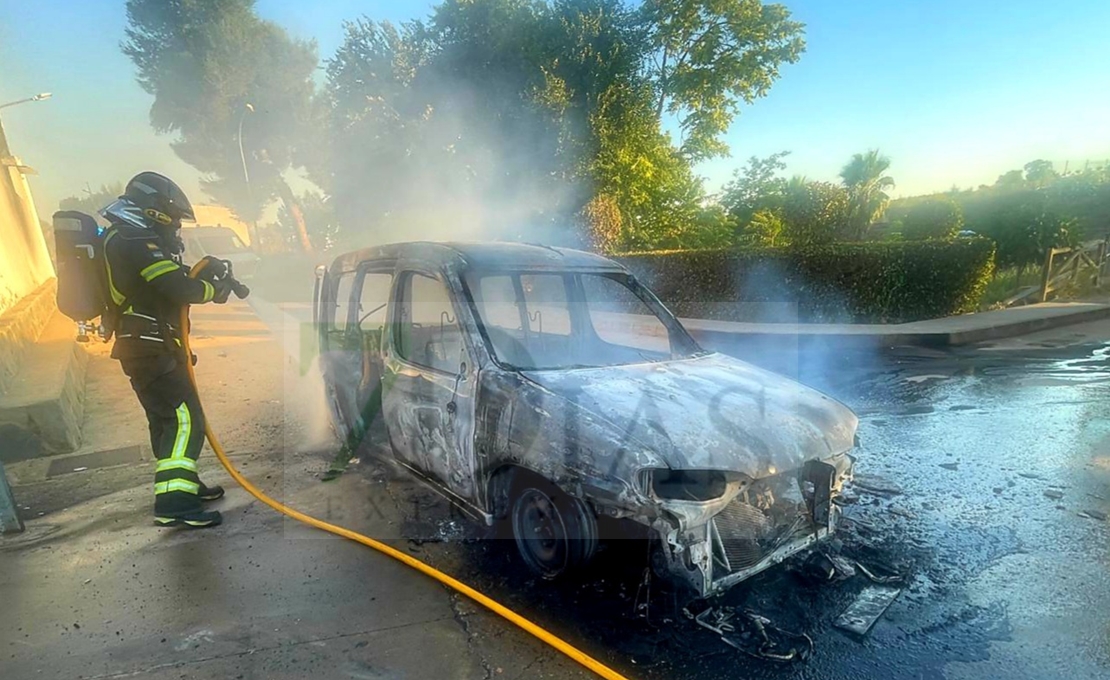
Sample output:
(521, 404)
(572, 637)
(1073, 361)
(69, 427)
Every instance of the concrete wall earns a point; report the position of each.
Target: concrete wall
(24, 259)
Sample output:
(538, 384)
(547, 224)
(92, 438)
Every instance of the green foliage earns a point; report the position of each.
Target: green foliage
(867, 185)
(706, 56)
(757, 187)
(524, 111)
(601, 219)
(771, 210)
(1006, 282)
(1024, 229)
(1039, 173)
(814, 212)
(938, 217)
(1028, 211)
(861, 282)
(765, 228)
(659, 195)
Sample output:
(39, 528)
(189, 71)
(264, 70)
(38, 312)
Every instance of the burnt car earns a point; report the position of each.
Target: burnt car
(547, 388)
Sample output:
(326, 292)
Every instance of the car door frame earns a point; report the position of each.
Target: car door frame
(343, 410)
(413, 390)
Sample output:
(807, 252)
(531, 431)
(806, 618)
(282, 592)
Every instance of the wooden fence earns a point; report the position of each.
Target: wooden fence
(1066, 265)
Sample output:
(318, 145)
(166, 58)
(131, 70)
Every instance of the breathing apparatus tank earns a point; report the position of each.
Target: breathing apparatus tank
(82, 274)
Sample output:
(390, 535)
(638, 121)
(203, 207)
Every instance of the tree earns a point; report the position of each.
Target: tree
(814, 212)
(864, 178)
(215, 68)
(707, 56)
(1039, 173)
(318, 218)
(765, 228)
(92, 201)
(518, 118)
(1024, 227)
(1010, 180)
(757, 187)
(935, 218)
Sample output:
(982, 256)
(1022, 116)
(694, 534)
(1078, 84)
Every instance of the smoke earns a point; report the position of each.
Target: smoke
(456, 158)
(794, 326)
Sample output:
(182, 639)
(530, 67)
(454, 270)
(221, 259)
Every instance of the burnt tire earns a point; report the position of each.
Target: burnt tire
(555, 534)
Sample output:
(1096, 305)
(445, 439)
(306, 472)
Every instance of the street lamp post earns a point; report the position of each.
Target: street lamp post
(4, 151)
(37, 98)
(247, 108)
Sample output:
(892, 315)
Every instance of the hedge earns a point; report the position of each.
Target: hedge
(868, 282)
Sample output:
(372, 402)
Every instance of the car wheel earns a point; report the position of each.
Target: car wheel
(555, 533)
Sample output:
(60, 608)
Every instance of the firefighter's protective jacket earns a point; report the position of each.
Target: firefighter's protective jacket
(148, 286)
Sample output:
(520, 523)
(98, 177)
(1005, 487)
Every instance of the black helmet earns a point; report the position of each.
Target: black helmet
(163, 203)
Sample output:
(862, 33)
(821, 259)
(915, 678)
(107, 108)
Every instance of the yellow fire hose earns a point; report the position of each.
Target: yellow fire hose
(544, 636)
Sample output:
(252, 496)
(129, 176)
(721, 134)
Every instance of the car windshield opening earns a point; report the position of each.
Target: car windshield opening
(559, 320)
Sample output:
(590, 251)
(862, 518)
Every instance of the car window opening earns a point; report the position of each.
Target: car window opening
(561, 320)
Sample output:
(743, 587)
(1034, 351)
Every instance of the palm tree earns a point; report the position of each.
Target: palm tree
(867, 186)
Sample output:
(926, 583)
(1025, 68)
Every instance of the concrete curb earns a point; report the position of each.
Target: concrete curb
(1028, 326)
(952, 331)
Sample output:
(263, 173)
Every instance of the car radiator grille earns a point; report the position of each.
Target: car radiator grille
(767, 515)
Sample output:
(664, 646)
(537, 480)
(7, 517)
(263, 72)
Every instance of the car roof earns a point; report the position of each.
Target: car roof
(480, 255)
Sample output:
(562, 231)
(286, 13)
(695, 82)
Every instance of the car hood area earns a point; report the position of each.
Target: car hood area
(709, 412)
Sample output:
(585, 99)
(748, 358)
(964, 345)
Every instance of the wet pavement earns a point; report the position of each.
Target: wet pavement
(984, 483)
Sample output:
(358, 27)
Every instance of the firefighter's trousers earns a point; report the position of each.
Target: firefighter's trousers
(176, 428)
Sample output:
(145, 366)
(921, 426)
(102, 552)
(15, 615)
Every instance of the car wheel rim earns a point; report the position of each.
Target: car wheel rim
(540, 533)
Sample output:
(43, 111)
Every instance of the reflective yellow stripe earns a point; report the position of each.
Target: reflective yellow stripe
(117, 297)
(184, 428)
(209, 291)
(157, 269)
(177, 464)
(178, 460)
(176, 485)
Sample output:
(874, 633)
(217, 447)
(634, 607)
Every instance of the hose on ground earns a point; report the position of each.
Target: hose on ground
(516, 619)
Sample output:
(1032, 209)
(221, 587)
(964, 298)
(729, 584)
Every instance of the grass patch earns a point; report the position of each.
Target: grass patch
(1006, 282)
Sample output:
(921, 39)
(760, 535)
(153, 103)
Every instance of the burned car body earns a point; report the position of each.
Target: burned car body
(548, 387)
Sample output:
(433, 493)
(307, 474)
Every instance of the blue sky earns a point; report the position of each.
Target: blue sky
(955, 92)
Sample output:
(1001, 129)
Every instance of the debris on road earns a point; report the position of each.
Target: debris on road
(755, 636)
(876, 484)
(866, 609)
(1093, 514)
(923, 378)
(875, 577)
(955, 465)
(827, 565)
(902, 512)
(1054, 494)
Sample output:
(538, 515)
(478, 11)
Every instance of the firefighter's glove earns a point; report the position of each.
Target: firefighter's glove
(212, 269)
(223, 290)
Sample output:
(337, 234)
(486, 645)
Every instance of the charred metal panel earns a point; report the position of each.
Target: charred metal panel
(710, 412)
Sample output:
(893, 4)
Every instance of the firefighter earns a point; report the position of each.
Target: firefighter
(148, 287)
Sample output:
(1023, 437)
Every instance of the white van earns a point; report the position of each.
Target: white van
(223, 243)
